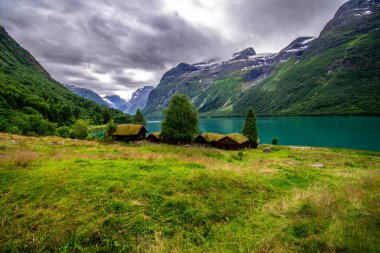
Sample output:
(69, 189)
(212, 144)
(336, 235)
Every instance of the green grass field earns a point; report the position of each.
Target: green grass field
(73, 196)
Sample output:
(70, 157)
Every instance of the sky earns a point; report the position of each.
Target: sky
(118, 46)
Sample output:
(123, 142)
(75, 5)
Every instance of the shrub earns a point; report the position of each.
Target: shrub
(109, 131)
(39, 126)
(79, 130)
(63, 131)
(274, 141)
(14, 130)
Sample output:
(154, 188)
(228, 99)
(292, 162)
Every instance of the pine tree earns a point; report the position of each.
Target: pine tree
(180, 124)
(250, 128)
(139, 118)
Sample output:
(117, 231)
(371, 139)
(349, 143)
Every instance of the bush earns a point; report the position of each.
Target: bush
(79, 130)
(14, 130)
(36, 125)
(110, 130)
(274, 141)
(63, 131)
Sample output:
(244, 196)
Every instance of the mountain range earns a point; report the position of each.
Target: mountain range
(336, 73)
(139, 98)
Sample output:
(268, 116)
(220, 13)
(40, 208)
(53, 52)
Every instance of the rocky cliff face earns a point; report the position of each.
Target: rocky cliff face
(139, 99)
(114, 101)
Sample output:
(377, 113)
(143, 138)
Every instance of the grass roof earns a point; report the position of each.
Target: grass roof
(128, 129)
(156, 134)
(238, 138)
(210, 137)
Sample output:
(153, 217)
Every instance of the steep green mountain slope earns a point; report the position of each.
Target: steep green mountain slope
(30, 98)
(213, 86)
(335, 74)
(339, 73)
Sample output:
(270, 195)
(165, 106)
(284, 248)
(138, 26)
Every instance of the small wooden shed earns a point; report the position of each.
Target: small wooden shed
(154, 137)
(208, 139)
(130, 132)
(233, 142)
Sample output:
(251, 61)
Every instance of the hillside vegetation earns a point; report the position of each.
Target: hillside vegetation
(339, 75)
(31, 100)
(68, 195)
(334, 74)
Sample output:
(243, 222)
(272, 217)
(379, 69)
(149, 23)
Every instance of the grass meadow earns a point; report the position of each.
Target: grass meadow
(66, 195)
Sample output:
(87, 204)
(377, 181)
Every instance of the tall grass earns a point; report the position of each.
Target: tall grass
(87, 196)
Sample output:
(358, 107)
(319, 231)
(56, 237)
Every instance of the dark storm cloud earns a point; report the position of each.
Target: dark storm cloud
(272, 24)
(92, 43)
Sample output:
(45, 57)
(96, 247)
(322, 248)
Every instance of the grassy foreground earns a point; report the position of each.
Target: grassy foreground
(71, 196)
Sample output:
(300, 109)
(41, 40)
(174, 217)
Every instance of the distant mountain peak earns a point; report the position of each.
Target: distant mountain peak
(244, 54)
(86, 93)
(352, 13)
(117, 102)
(357, 8)
(140, 98)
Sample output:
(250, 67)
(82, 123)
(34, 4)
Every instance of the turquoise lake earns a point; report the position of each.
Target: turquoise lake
(341, 132)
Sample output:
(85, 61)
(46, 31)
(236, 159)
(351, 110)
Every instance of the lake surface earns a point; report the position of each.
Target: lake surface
(342, 132)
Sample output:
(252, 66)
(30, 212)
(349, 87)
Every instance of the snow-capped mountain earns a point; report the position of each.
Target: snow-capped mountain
(139, 99)
(87, 93)
(202, 81)
(117, 102)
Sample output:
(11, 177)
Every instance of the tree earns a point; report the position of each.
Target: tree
(106, 116)
(180, 123)
(139, 118)
(250, 128)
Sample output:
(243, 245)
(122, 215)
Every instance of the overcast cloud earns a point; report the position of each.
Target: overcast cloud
(117, 46)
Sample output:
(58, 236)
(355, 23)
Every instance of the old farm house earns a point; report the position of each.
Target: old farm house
(130, 132)
(208, 139)
(154, 137)
(233, 142)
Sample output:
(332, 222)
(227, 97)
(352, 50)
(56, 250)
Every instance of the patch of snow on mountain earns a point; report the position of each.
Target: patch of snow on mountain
(296, 49)
(307, 41)
(112, 105)
(264, 55)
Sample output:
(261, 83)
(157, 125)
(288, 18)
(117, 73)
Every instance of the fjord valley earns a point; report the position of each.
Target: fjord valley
(259, 152)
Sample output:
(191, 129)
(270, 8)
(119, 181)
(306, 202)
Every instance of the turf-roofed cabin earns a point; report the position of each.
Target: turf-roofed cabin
(130, 132)
(154, 137)
(233, 142)
(208, 139)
